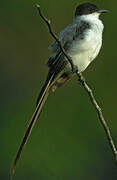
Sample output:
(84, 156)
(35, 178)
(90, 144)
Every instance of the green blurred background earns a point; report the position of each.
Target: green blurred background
(68, 143)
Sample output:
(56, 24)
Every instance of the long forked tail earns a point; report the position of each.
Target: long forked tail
(40, 102)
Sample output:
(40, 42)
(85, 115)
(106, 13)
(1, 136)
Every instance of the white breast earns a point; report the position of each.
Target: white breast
(84, 51)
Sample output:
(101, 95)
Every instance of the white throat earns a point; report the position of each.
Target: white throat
(93, 19)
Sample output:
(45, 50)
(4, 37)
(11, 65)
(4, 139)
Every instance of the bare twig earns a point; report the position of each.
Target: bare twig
(99, 112)
(55, 37)
(85, 86)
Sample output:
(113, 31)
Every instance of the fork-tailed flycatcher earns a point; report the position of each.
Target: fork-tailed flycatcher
(82, 41)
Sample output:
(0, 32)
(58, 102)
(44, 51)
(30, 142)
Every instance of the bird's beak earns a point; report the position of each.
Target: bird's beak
(103, 11)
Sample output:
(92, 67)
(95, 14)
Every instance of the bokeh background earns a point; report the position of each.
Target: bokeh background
(68, 143)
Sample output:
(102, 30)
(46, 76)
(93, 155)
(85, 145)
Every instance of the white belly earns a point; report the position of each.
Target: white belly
(84, 51)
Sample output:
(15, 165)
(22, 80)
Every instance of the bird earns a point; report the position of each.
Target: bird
(82, 41)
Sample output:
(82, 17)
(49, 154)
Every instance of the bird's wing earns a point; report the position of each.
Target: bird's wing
(57, 61)
(67, 36)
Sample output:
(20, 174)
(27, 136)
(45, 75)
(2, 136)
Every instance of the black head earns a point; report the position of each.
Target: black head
(87, 8)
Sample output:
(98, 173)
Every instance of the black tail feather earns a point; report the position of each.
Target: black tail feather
(40, 102)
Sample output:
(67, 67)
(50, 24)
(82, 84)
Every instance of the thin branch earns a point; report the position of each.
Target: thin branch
(55, 37)
(99, 112)
(85, 86)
